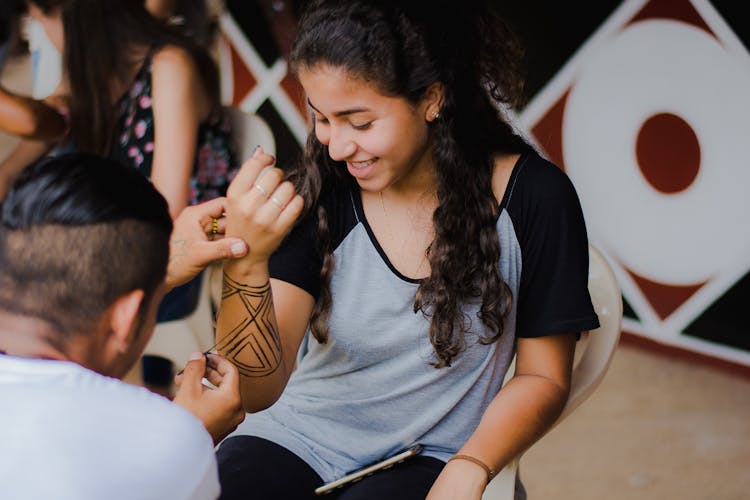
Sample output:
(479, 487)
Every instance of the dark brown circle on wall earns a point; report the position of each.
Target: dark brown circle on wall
(668, 153)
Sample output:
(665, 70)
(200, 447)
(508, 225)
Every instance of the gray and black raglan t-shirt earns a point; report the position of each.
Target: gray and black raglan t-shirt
(371, 390)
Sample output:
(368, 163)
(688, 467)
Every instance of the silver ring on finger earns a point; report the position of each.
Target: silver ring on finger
(261, 189)
(276, 201)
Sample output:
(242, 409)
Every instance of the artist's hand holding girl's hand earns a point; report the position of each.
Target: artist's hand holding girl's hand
(198, 240)
(261, 208)
(459, 480)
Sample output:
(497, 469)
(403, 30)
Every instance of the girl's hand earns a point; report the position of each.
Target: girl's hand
(459, 480)
(261, 209)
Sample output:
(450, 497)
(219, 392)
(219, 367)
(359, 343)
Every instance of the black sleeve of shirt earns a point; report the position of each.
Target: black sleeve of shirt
(297, 260)
(553, 294)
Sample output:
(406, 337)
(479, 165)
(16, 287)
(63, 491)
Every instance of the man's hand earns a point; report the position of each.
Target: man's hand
(219, 409)
(196, 242)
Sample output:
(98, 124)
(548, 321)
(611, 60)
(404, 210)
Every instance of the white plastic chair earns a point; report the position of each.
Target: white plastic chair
(176, 340)
(250, 130)
(593, 354)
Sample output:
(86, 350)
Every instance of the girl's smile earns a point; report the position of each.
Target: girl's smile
(361, 169)
(365, 128)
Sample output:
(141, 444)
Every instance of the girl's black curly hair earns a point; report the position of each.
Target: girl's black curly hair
(403, 48)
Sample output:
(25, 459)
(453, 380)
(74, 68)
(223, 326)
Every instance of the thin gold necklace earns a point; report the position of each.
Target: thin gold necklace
(405, 242)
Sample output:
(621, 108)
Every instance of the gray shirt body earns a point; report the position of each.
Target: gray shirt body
(371, 390)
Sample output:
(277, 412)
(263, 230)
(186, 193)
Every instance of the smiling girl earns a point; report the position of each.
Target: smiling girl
(437, 244)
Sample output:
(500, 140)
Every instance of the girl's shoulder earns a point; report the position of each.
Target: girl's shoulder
(175, 75)
(173, 59)
(529, 177)
(540, 194)
(542, 177)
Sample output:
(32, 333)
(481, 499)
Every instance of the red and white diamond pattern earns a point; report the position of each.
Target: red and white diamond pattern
(247, 82)
(649, 119)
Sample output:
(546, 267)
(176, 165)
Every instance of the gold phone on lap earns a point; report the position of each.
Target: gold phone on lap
(370, 469)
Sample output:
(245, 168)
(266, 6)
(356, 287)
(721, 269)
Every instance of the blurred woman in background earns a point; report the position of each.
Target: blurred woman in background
(141, 92)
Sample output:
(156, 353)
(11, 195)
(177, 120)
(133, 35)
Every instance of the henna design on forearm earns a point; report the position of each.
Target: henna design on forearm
(253, 345)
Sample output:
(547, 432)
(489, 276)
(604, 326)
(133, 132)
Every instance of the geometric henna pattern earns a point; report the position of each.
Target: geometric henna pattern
(254, 339)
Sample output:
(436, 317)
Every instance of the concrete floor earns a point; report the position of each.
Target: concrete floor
(656, 428)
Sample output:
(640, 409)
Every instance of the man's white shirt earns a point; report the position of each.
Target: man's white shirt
(67, 432)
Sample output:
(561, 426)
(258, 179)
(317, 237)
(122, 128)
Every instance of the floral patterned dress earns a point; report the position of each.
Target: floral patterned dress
(215, 161)
(214, 167)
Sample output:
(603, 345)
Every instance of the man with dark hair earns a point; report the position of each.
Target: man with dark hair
(84, 255)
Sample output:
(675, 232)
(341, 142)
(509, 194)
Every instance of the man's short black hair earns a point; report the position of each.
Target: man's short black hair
(76, 233)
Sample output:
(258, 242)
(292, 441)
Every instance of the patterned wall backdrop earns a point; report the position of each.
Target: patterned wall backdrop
(256, 35)
(644, 103)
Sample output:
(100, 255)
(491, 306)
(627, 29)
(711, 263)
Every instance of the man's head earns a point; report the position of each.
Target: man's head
(84, 244)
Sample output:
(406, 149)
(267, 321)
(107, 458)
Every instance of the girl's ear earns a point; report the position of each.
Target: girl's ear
(432, 102)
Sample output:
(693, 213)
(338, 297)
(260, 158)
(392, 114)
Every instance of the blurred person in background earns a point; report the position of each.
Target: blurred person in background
(29, 118)
(141, 92)
(34, 116)
(195, 18)
(10, 12)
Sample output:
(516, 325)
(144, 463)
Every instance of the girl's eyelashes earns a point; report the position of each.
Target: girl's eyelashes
(324, 121)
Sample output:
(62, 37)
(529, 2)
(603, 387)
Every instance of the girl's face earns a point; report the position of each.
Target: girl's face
(383, 139)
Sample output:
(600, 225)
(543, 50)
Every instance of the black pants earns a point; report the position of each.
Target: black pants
(251, 468)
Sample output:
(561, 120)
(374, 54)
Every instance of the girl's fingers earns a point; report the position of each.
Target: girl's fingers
(289, 214)
(249, 173)
(267, 213)
(282, 196)
(266, 183)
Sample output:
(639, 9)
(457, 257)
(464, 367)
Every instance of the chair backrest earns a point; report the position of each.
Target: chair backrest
(593, 354)
(250, 130)
(176, 340)
(594, 357)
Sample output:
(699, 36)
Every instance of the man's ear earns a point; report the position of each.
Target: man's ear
(433, 101)
(123, 318)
